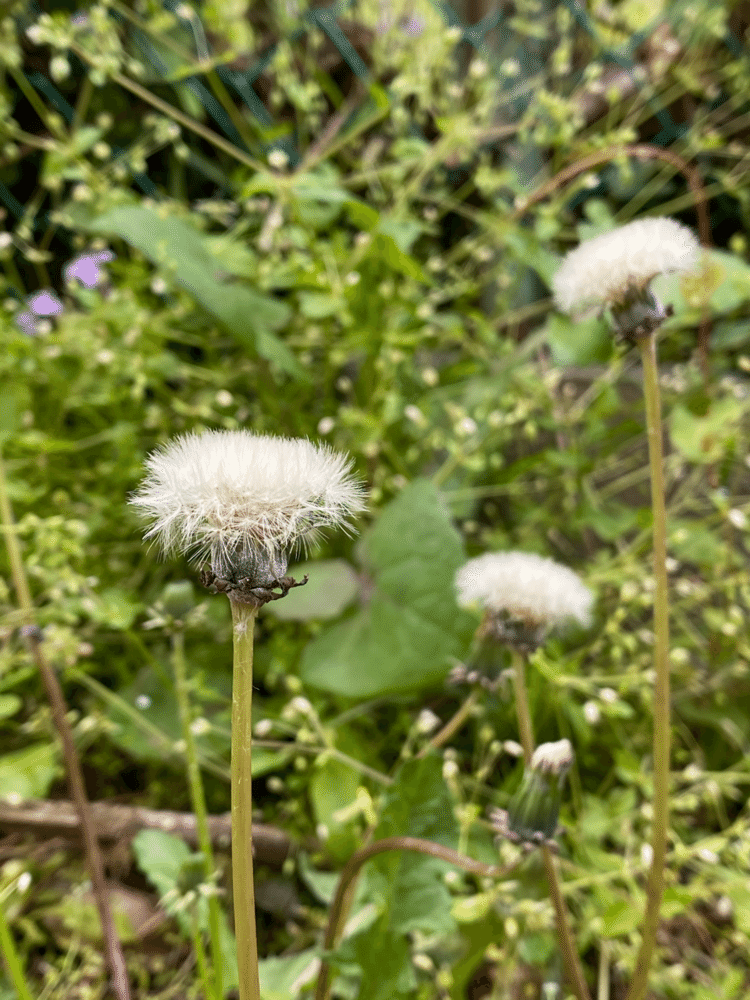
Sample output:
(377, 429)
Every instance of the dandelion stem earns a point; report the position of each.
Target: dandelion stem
(243, 618)
(198, 801)
(655, 883)
(523, 713)
(452, 726)
(571, 959)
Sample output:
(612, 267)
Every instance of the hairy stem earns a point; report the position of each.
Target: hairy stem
(570, 955)
(523, 713)
(346, 886)
(243, 618)
(198, 801)
(655, 883)
(113, 948)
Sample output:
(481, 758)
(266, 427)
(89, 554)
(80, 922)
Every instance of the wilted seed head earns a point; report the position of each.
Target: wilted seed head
(523, 595)
(533, 810)
(241, 502)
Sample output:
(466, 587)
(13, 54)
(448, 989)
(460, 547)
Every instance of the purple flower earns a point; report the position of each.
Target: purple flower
(26, 322)
(413, 26)
(45, 303)
(86, 268)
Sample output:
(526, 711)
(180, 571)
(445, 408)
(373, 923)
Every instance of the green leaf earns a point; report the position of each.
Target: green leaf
(28, 773)
(9, 705)
(248, 315)
(163, 858)
(15, 399)
(385, 248)
(321, 884)
(282, 978)
(692, 542)
(721, 285)
(331, 587)
(578, 343)
(333, 786)
(318, 305)
(537, 948)
(705, 438)
(114, 608)
(407, 633)
(470, 909)
(621, 917)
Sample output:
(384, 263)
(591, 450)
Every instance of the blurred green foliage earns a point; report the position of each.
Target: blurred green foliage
(320, 228)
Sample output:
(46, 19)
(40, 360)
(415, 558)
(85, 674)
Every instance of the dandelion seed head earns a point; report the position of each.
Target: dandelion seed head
(524, 586)
(605, 269)
(242, 501)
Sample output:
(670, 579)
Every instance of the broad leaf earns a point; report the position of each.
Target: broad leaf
(28, 773)
(164, 859)
(332, 585)
(705, 438)
(410, 628)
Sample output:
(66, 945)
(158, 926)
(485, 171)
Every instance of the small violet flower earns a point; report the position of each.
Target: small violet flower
(86, 268)
(26, 322)
(45, 303)
(40, 304)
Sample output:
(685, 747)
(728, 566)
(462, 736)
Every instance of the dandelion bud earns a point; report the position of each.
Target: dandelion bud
(533, 811)
(178, 598)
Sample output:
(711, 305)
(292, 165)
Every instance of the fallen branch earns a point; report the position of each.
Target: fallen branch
(119, 823)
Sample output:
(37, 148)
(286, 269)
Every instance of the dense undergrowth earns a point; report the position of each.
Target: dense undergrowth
(342, 223)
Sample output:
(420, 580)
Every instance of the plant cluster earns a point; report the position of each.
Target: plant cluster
(341, 227)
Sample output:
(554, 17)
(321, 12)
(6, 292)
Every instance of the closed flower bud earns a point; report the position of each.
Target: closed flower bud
(533, 810)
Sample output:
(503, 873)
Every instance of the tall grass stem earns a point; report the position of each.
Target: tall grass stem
(12, 959)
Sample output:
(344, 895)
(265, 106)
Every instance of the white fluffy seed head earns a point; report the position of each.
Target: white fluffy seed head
(524, 586)
(243, 501)
(605, 269)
